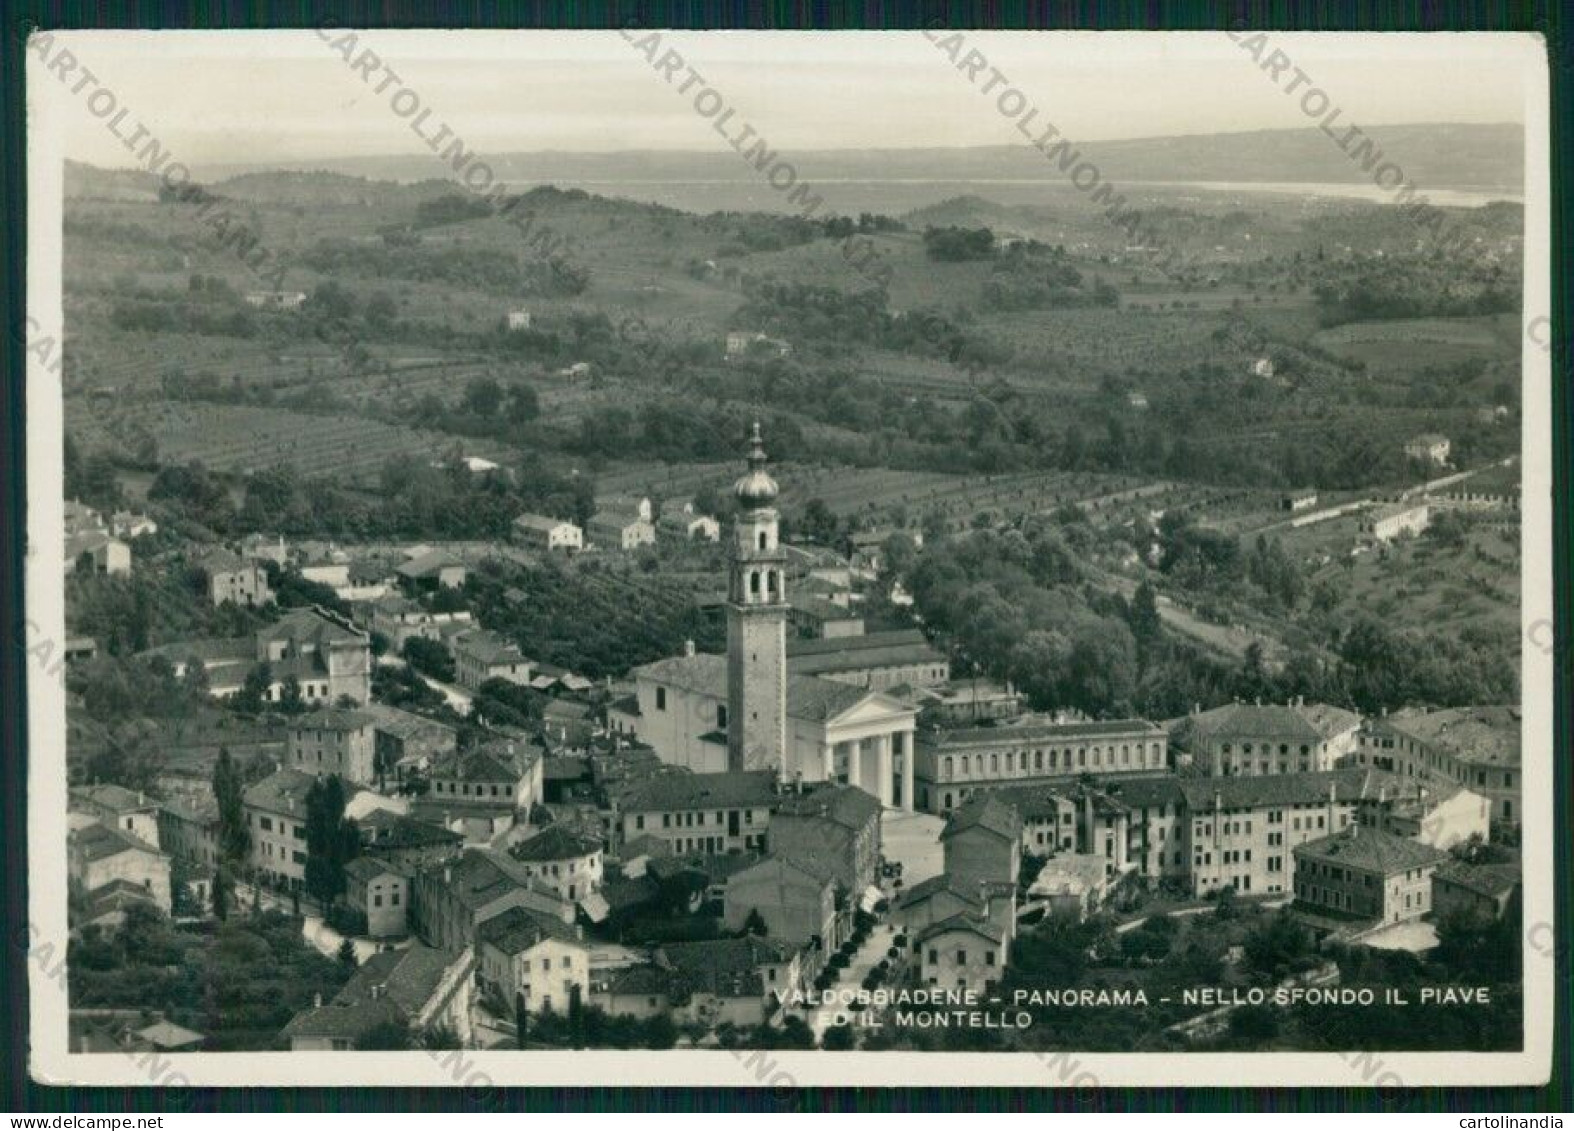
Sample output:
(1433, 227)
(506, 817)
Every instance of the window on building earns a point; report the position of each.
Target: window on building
(661, 698)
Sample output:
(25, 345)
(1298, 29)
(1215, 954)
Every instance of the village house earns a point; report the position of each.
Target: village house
(406, 841)
(1474, 747)
(566, 860)
(95, 552)
(276, 818)
(538, 957)
(795, 900)
(328, 657)
(952, 762)
(732, 980)
(964, 952)
(451, 899)
(815, 618)
(232, 578)
(708, 813)
(1429, 447)
(129, 525)
(480, 655)
(418, 988)
(276, 300)
(334, 741)
(380, 892)
(1365, 874)
(743, 343)
(838, 824)
(1396, 520)
(1254, 739)
(262, 548)
(406, 744)
(431, 571)
(640, 990)
(399, 619)
(623, 530)
(982, 842)
(538, 532)
(1071, 886)
(938, 899)
(1295, 501)
(962, 702)
(519, 319)
(118, 807)
(681, 519)
(1481, 892)
(481, 791)
(189, 830)
(104, 861)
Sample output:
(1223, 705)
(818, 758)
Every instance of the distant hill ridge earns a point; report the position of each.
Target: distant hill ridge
(1437, 156)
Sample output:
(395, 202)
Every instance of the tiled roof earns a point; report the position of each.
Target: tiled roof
(518, 929)
(861, 655)
(115, 798)
(1495, 880)
(984, 811)
(349, 1021)
(428, 564)
(541, 522)
(487, 647)
(935, 885)
(480, 876)
(1036, 729)
(402, 724)
(724, 967)
(984, 928)
(407, 832)
(1279, 722)
(311, 624)
(648, 980)
(99, 842)
(1031, 802)
(555, 843)
(820, 869)
(1280, 789)
(730, 789)
(1371, 850)
(623, 894)
(493, 762)
(845, 805)
(407, 977)
(283, 791)
(368, 868)
(333, 718)
(1489, 736)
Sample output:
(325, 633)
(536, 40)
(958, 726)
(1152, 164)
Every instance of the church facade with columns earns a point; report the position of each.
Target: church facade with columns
(744, 710)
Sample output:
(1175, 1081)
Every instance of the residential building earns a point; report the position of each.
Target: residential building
(328, 656)
(962, 702)
(417, 987)
(732, 980)
(1395, 520)
(233, 578)
(276, 300)
(982, 841)
(681, 519)
(1254, 739)
(1295, 501)
(519, 319)
(1365, 874)
(102, 859)
(118, 807)
(480, 792)
(538, 532)
(567, 860)
(380, 891)
(1482, 892)
(399, 619)
(407, 841)
(816, 618)
(879, 661)
(334, 740)
(188, 827)
(276, 817)
(620, 530)
(534, 956)
(795, 900)
(741, 343)
(480, 655)
(1071, 886)
(839, 824)
(431, 571)
(129, 525)
(95, 552)
(1429, 447)
(405, 744)
(952, 762)
(1474, 747)
(450, 900)
(707, 813)
(964, 952)
(938, 899)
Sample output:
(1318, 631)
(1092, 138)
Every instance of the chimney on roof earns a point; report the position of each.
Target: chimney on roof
(377, 990)
(448, 874)
(688, 647)
(317, 1001)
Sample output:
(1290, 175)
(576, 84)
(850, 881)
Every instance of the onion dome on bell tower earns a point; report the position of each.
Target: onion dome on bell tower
(756, 490)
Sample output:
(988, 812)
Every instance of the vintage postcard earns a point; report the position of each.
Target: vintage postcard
(776, 559)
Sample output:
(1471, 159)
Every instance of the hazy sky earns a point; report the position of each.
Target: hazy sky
(243, 97)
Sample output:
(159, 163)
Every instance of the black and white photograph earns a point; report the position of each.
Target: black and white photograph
(648, 556)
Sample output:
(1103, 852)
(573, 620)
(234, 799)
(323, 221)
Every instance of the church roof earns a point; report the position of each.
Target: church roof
(809, 698)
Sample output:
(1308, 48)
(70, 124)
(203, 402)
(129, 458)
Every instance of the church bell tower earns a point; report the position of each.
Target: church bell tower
(757, 625)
